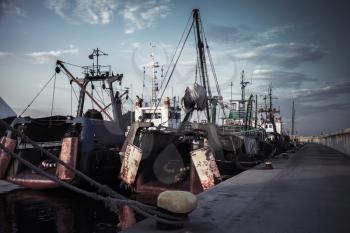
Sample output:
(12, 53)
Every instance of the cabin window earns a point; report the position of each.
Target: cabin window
(174, 115)
(151, 115)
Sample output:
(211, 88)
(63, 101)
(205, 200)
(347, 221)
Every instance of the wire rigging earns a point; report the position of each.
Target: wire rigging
(175, 51)
(53, 95)
(37, 95)
(173, 69)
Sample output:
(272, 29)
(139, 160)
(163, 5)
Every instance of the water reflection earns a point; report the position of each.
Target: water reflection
(59, 211)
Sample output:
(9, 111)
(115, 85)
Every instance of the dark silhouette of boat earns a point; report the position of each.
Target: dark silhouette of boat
(89, 142)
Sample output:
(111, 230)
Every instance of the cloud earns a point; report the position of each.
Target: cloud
(4, 55)
(324, 93)
(288, 55)
(58, 6)
(95, 11)
(244, 34)
(274, 32)
(228, 34)
(280, 78)
(8, 7)
(137, 14)
(140, 14)
(310, 109)
(87, 11)
(43, 57)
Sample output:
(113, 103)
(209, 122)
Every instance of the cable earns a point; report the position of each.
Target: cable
(53, 94)
(72, 64)
(37, 95)
(172, 71)
(175, 51)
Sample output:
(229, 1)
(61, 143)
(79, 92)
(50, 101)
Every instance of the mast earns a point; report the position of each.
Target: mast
(94, 74)
(256, 111)
(271, 111)
(243, 83)
(201, 56)
(155, 65)
(293, 118)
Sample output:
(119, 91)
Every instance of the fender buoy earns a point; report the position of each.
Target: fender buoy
(69, 151)
(5, 159)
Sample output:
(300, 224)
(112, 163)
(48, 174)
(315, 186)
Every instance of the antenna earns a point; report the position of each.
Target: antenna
(143, 81)
(243, 83)
(155, 65)
(96, 53)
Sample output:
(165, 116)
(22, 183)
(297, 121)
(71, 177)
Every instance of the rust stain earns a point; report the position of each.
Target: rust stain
(205, 166)
(130, 164)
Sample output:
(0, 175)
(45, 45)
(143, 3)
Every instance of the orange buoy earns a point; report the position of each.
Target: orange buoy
(69, 151)
(5, 159)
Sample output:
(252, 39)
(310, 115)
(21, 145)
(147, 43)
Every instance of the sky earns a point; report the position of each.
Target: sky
(301, 48)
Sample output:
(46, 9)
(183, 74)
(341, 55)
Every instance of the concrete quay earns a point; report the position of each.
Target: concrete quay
(309, 192)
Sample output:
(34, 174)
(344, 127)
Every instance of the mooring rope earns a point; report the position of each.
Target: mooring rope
(113, 198)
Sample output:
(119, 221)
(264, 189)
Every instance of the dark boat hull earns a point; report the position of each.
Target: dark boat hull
(98, 144)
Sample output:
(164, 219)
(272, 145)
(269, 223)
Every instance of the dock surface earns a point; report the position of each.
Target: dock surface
(309, 192)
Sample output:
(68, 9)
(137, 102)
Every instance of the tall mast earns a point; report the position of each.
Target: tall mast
(201, 56)
(155, 65)
(243, 83)
(293, 118)
(256, 111)
(271, 111)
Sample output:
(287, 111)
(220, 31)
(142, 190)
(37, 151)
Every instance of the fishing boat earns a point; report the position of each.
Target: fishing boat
(90, 141)
(182, 155)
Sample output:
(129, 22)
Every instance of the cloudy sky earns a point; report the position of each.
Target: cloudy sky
(300, 47)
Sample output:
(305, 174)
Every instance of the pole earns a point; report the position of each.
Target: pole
(83, 89)
(293, 118)
(201, 55)
(256, 111)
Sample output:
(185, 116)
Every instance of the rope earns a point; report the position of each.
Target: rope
(72, 64)
(37, 95)
(53, 94)
(71, 100)
(146, 210)
(172, 71)
(110, 202)
(175, 52)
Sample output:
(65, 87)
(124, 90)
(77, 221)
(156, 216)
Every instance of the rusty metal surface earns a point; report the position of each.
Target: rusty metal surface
(68, 155)
(126, 217)
(33, 183)
(4, 158)
(132, 133)
(130, 164)
(205, 166)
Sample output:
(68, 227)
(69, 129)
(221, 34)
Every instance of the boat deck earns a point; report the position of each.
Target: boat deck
(309, 192)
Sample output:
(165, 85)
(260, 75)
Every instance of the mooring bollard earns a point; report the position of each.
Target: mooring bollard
(178, 203)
